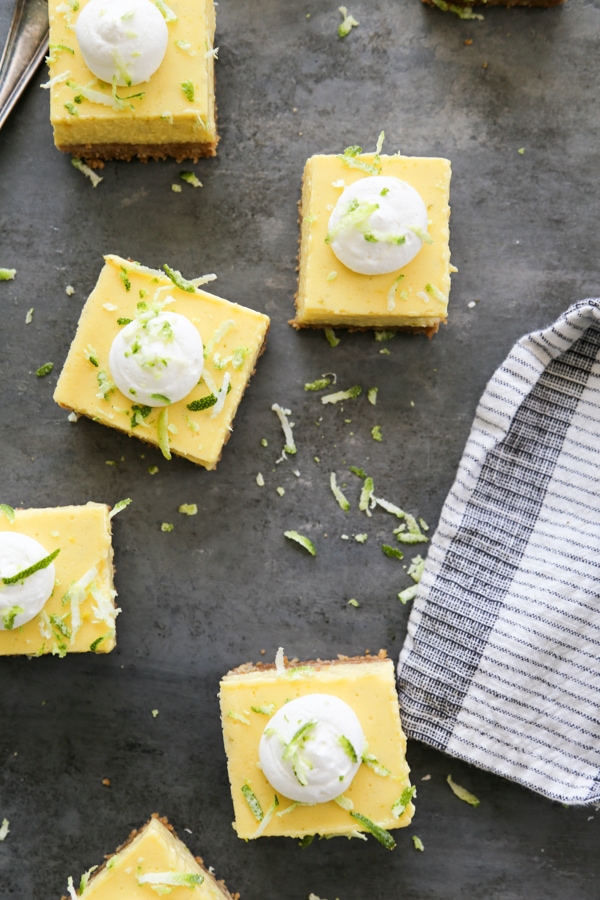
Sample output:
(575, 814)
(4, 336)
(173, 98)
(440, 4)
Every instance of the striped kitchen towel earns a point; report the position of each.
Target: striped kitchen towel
(501, 664)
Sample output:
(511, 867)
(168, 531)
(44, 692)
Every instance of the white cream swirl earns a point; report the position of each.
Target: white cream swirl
(122, 41)
(377, 225)
(20, 602)
(312, 748)
(157, 359)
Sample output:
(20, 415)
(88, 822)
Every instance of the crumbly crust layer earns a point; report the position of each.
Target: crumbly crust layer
(248, 667)
(466, 4)
(95, 155)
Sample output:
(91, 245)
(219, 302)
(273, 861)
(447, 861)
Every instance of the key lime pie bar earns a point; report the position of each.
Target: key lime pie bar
(316, 748)
(153, 862)
(374, 247)
(159, 358)
(132, 78)
(56, 580)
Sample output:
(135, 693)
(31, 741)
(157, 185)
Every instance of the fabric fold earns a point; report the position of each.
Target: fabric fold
(501, 663)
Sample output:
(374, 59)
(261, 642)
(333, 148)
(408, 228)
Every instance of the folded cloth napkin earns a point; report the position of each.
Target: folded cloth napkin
(501, 664)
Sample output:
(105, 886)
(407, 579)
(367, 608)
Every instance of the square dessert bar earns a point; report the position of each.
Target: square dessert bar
(251, 694)
(153, 862)
(414, 298)
(233, 338)
(171, 115)
(80, 613)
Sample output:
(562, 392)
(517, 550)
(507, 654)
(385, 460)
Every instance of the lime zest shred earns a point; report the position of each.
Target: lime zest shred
(338, 396)
(366, 501)
(318, 384)
(376, 433)
(267, 709)
(25, 573)
(349, 22)
(167, 12)
(238, 717)
(86, 170)
(44, 370)
(282, 414)
(343, 502)
(7, 274)
(29, 316)
(462, 793)
(399, 807)
(408, 594)
(417, 842)
(372, 395)
(179, 281)
(191, 178)
(96, 643)
(162, 428)
(188, 509)
(329, 333)
(83, 881)
(353, 603)
(348, 748)
(345, 802)
(392, 552)
(267, 817)
(171, 879)
(415, 570)
(435, 292)
(8, 617)
(360, 538)
(280, 661)
(356, 470)
(391, 297)
(167, 527)
(383, 836)
(384, 335)
(121, 504)
(8, 511)
(253, 802)
(371, 761)
(302, 540)
(188, 89)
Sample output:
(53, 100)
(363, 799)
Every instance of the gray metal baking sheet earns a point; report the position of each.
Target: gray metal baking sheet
(512, 101)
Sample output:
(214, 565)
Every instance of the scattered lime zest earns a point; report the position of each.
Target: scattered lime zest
(8, 617)
(292, 751)
(408, 594)
(345, 802)
(238, 717)
(371, 761)
(29, 316)
(392, 552)
(178, 280)
(86, 170)
(318, 384)
(418, 843)
(260, 479)
(167, 527)
(280, 661)
(95, 644)
(331, 277)
(202, 403)
(384, 335)
(302, 540)
(353, 602)
(171, 879)
(167, 12)
(372, 395)
(343, 502)
(376, 433)
(383, 836)
(329, 333)
(356, 470)
(462, 793)
(338, 396)
(152, 470)
(122, 504)
(188, 509)
(252, 801)
(176, 188)
(7, 274)
(435, 292)
(391, 297)
(399, 807)
(91, 355)
(360, 538)
(267, 817)
(25, 573)
(282, 414)
(8, 511)
(123, 320)
(44, 370)
(191, 178)
(366, 500)
(188, 89)
(267, 709)
(347, 747)
(162, 428)
(349, 22)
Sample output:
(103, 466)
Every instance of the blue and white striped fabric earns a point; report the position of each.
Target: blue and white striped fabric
(501, 664)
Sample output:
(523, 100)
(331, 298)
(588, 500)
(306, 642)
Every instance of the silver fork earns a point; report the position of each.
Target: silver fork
(26, 46)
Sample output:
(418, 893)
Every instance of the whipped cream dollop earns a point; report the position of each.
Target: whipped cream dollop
(377, 225)
(122, 41)
(312, 748)
(157, 359)
(20, 602)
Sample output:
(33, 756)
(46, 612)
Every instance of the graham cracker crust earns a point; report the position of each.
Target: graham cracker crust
(95, 155)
